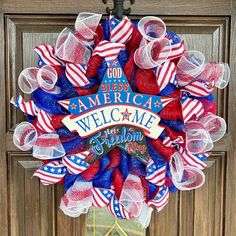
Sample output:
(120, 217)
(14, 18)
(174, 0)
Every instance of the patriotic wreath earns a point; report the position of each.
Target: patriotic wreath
(132, 162)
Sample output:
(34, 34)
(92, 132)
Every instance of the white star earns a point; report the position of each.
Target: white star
(113, 22)
(52, 170)
(78, 161)
(59, 170)
(45, 168)
(72, 158)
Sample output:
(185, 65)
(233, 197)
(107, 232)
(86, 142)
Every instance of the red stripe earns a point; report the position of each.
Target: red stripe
(193, 159)
(77, 72)
(42, 52)
(192, 111)
(99, 196)
(162, 172)
(53, 56)
(72, 167)
(54, 177)
(119, 28)
(107, 49)
(166, 72)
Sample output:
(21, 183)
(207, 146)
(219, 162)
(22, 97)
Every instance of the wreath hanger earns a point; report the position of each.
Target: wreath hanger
(118, 10)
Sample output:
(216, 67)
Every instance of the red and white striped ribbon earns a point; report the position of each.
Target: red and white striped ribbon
(101, 196)
(43, 118)
(193, 159)
(121, 31)
(191, 107)
(47, 54)
(27, 107)
(166, 74)
(155, 175)
(199, 88)
(51, 173)
(76, 74)
(177, 50)
(75, 163)
(161, 199)
(44, 122)
(108, 50)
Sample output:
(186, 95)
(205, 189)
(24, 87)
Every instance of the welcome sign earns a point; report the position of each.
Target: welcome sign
(115, 105)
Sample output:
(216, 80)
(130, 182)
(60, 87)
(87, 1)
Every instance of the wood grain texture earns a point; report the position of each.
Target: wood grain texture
(141, 7)
(31, 204)
(3, 164)
(230, 189)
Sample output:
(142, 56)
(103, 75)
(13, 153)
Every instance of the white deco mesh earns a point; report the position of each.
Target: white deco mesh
(48, 146)
(25, 136)
(198, 139)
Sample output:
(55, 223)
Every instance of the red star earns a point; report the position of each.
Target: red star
(114, 63)
(126, 114)
(73, 106)
(157, 104)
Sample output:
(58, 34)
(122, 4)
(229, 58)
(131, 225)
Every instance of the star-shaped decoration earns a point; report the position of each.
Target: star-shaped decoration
(113, 22)
(126, 114)
(73, 106)
(115, 105)
(157, 104)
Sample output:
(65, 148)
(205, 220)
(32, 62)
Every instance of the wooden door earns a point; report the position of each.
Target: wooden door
(27, 208)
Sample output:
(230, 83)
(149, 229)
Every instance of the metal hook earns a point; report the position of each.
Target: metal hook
(118, 10)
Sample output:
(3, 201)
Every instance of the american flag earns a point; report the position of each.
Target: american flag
(75, 164)
(161, 198)
(155, 174)
(75, 73)
(47, 55)
(44, 122)
(165, 74)
(108, 50)
(121, 31)
(177, 50)
(190, 107)
(27, 107)
(51, 173)
(117, 209)
(102, 196)
(199, 88)
(194, 160)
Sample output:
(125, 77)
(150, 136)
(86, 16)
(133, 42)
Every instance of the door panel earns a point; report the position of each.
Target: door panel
(32, 208)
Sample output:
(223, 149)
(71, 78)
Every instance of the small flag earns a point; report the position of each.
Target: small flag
(121, 31)
(177, 50)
